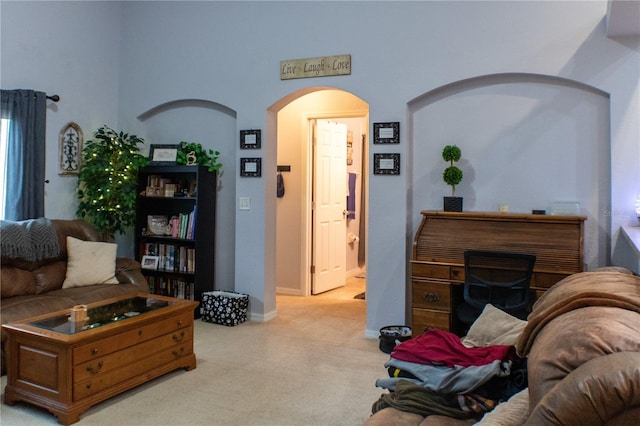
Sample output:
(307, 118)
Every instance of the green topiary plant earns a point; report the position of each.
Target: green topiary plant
(452, 175)
(194, 153)
(107, 181)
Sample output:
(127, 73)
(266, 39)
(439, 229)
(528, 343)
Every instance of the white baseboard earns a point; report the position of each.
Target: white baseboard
(288, 291)
(371, 334)
(262, 317)
(355, 272)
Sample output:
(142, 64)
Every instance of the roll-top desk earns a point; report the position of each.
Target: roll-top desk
(437, 265)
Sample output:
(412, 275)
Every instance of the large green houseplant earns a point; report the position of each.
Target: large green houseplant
(107, 181)
(452, 176)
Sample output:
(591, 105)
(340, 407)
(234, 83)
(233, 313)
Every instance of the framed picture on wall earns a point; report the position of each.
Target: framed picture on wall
(250, 139)
(386, 164)
(386, 133)
(251, 167)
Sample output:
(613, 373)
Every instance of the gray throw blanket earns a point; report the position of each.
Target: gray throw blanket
(29, 240)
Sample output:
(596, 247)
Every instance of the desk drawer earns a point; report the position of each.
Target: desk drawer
(423, 320)
(431, 295)
(428, 270)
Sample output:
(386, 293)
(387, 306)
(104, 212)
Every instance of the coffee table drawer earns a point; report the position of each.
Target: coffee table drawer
(144, 350)
(108, 345)
(110, 379)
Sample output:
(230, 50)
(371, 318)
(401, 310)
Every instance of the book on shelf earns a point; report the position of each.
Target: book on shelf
(171, 257)
(171, 287)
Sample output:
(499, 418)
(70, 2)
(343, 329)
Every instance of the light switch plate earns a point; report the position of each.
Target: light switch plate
(245, 203)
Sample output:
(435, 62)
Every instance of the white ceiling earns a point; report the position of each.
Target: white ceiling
(623, 18)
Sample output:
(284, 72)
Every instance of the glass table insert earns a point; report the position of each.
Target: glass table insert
(102, 315)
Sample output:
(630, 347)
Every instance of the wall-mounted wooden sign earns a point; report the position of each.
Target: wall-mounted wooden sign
(321, 66)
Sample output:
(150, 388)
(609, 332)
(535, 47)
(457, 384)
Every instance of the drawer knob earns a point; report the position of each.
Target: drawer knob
(180, 323)
(92, 370)
(178, 338)
(431, 297)
(179, 353)
(94, 351)
(139, 332)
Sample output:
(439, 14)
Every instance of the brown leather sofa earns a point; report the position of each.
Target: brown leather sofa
(582, 341)
(30, 288)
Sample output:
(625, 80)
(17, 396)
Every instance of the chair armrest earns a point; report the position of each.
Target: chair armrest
(602, 388)
(128, 271)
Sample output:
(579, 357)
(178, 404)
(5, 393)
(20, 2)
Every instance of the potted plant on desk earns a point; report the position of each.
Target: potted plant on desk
(452, 176)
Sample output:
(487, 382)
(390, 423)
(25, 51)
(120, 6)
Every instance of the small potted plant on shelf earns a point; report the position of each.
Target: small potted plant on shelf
(191, 153)
(107, 181)
(452, 176)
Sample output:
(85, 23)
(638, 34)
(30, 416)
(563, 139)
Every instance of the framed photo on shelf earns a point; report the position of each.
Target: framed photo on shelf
(164, 155)
(251, 167)
(250, 139)
(386, 133)
(386, 164)
(150, 262)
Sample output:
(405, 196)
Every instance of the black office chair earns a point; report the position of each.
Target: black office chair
(501, 279)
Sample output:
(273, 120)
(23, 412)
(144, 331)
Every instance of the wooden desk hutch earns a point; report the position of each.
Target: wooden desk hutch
(437, 266)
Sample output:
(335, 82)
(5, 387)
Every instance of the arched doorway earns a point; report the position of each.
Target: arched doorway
(292, 118)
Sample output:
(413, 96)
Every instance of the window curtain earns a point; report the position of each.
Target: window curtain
(26, 110)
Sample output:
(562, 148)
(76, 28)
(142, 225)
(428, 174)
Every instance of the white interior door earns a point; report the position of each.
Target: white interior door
(329, 206)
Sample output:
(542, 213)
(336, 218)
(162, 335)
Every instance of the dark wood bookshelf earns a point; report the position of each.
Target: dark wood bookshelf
(186, 264)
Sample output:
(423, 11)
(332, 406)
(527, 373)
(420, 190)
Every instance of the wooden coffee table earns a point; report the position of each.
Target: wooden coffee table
(68, 367)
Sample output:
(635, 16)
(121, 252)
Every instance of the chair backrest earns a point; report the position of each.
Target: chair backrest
(501, 279)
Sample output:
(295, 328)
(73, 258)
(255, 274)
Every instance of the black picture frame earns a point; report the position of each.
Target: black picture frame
(386, 164)
(251, 167)
(386, 133)
(164, 155)
(250, 139)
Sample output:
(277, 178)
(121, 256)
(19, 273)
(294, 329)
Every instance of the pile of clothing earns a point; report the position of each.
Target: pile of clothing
(436, 373)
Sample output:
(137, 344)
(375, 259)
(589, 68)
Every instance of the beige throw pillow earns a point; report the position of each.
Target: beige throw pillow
(494, 327)
(89, 263)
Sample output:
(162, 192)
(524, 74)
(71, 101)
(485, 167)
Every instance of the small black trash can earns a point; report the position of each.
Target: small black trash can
(391, 335)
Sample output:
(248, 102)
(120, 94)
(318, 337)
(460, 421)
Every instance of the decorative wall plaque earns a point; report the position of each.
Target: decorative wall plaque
(250, 139)
(251, 167)
(386, 133)
(71, 140)
(321, 66)
(386, 164)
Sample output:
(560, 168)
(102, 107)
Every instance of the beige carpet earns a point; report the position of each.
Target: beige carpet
(311, 365)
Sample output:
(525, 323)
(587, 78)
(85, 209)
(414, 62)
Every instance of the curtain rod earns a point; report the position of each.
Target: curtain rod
(54, 98)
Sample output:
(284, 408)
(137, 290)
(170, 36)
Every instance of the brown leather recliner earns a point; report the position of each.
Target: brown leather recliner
(582, 341)
(583, 344)
(30, 288)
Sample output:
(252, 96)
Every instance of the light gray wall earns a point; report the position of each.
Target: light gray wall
(229, 53)
(527, 142)
(72, 50)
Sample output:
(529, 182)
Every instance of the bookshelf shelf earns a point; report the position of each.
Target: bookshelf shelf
(177, 233)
